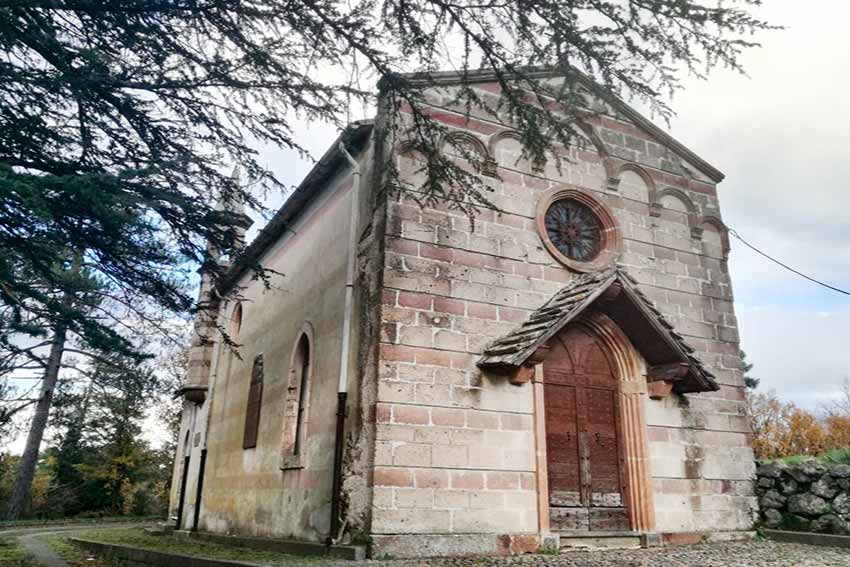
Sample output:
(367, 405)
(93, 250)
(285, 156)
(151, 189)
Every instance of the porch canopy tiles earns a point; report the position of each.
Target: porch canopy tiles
(612, 292)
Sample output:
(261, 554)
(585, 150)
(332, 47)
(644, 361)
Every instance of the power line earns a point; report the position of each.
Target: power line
(734, 233)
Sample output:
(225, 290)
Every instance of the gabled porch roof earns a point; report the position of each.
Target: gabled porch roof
(614, 293)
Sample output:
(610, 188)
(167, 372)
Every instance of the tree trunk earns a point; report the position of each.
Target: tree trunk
(26, 471)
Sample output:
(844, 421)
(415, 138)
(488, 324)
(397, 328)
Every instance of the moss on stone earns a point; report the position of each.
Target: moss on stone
(794, 523)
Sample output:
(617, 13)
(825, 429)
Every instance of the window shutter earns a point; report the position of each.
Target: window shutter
(255, 400)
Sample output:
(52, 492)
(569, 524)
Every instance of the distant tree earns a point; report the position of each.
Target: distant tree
(43, 345)
(8, 468)
(69, 494)
(749, 381)
(120, 396)
(805, 435)
(837, 431)
(172, 372)
(839, 404)
(781, 429)
(97, 460)
(769, 418)
(116, 328)
(837, 417)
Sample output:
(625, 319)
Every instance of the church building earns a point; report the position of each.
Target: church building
(561, 368)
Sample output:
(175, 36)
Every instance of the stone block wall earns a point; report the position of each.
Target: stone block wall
(808, 496)
(450, 456)
(452, 442)
(702, 476)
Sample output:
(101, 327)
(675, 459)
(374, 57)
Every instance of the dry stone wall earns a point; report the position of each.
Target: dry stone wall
(808, 496)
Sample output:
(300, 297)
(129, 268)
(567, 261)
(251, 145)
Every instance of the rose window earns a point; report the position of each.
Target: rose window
(574, 230)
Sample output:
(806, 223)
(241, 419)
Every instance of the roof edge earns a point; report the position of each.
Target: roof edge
(674, 340)
(355, 133)
(438, 78)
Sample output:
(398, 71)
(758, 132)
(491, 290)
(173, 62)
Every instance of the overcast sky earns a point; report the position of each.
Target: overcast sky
(781, 136)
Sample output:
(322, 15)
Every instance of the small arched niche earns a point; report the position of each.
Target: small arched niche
(633, 186)
(235, 326)
(715, 238)
(674, 203)
(506, 151)
(633, 182)
(676, 206)
(464, 145)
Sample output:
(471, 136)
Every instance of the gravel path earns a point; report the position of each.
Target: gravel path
(42, 553)
(29, 539)
(728, 554)
(731, 554)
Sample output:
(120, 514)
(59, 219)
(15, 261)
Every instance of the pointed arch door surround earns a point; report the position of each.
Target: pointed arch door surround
(592, 461)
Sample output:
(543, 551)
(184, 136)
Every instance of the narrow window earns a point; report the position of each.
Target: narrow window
(255, 399)
(302, 389)
(235, 323)
(297, 405)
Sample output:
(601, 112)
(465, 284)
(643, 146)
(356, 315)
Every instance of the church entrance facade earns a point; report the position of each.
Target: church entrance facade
(566, 365)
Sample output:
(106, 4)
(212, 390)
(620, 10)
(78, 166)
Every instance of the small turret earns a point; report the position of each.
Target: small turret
(232, 211)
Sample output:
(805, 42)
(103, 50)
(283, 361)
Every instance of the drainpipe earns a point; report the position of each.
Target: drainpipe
(342, 388)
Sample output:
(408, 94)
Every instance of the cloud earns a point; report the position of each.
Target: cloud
(800, 353)
(782, 136)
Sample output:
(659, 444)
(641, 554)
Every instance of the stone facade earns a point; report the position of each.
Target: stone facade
(443, 458)
(451, 439)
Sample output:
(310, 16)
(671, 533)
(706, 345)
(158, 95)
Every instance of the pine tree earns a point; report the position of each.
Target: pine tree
(120, 396)
(749, 381)
(120, 117)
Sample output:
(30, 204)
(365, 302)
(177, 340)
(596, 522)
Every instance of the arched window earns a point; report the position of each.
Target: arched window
(295, 412)
(302, 372)
(577, 229)
(255, 401)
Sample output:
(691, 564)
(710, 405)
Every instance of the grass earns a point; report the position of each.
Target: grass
(832, 457)
(13, 555)
(837, 457)
(136, 537)
(35, 522)
(75, 556)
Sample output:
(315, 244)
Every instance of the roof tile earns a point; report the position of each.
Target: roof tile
(515, 348)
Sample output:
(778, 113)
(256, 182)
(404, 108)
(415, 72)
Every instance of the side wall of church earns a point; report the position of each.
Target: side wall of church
(454, 455)
(264, 491)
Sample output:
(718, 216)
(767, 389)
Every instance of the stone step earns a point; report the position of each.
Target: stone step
(599, 540)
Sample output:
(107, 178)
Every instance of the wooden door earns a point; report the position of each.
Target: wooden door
(584, 453)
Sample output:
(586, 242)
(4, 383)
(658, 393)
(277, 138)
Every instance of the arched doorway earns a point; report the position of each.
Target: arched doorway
(584, 446)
